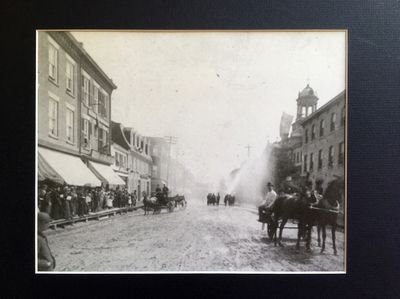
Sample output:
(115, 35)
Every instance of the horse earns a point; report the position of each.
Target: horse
(151, 204)
(180, 200)
(328, 211)
(285, 207)
(308, 212)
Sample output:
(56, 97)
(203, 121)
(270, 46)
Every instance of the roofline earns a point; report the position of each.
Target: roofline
(322, 108)
(119, 125)
(91, 60)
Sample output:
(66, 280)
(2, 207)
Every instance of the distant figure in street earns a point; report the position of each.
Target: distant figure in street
(165, 192)
(46, 261)
(226, 199)
(158, 189)
(270, 197)
(134, 198)
(218, 198)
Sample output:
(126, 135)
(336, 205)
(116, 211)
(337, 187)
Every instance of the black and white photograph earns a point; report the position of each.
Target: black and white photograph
(180, 151)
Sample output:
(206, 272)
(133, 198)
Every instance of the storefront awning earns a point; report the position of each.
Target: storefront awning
(105, 173)
(64, 169)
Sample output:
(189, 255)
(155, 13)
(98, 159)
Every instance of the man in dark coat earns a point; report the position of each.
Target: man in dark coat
(165, 192)
(46, 261)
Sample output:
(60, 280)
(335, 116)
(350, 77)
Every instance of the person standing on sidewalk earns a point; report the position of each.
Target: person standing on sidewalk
(46, 260)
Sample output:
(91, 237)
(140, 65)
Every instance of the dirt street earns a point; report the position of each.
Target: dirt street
(199, 238)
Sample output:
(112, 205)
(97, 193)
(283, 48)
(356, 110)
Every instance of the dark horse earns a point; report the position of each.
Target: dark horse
(328, 211)
(180, 200)
(308, 212)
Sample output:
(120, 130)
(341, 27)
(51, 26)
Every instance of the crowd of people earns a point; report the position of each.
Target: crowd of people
(65, 202)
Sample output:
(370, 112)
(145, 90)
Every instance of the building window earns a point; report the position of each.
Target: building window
(101, 140)
(320, 159)
(330, 157)
(101, 107)
(146, 149)
(85, 90)
(70, 125)
(343, 116)
(85, 132)
(305, 163)
(53, 117)
(321, 127)
(333, 121)
(311, 161)
(70, 74)
(306, 136)
(53, 63)
(313, 132)
(341, 153)
(95, 98)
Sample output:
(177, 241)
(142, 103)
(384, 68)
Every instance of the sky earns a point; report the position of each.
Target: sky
(217, 92)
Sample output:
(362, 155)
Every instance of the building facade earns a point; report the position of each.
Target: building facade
(74, 106)
(323, 145)
(120, 150)
(139, 162)
(316, 144)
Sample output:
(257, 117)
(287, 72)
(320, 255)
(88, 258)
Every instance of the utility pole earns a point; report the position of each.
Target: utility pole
(170, 140)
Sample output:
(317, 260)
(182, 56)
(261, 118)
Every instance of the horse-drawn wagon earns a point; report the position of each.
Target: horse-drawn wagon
(158, 202)
(307, 213)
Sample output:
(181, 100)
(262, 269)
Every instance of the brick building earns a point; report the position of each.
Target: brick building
(323, 147)
(316, 143)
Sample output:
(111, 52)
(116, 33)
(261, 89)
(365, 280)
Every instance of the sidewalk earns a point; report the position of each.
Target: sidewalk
(96, 215)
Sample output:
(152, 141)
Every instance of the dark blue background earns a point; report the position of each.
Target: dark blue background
(373, 148)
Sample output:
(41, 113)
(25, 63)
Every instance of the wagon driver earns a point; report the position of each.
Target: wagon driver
(269, 200)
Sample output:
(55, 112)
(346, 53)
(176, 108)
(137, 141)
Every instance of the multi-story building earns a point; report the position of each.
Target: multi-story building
(139, 162)
(120, 150)
(316, 144)
(74, 112)
(323, 145)
(160, 155)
